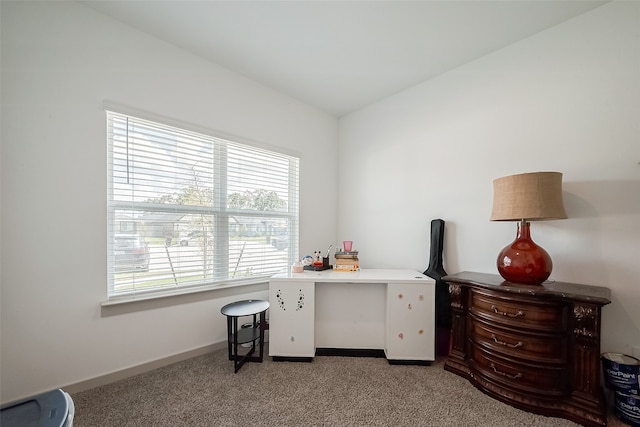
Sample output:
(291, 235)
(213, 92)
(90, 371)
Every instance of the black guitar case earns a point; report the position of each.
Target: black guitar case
(443, 301)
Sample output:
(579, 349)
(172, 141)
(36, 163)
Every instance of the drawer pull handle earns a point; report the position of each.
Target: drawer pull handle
(504, 374)
(519, 313)
(506, 344)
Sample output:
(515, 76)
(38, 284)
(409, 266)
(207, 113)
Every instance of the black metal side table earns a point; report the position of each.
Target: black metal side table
(252, 334)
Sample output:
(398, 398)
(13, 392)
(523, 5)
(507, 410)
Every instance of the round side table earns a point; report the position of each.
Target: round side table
(236, 336)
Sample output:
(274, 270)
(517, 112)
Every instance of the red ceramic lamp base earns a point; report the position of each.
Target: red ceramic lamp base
(523, 261)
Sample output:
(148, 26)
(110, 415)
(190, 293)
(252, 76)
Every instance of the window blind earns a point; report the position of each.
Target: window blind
(188, 210)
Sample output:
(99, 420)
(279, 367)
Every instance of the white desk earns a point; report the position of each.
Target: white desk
(371, 309)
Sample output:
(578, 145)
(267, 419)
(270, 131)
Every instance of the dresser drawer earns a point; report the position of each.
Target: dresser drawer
(545, 348)
(542, 380)
(517, 312)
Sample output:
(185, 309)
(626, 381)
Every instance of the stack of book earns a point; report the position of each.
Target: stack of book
(347, 261)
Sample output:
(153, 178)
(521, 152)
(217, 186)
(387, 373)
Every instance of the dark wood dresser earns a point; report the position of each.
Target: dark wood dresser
(534, 347)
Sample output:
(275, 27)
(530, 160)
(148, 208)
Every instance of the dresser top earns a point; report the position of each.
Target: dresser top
(573, 291)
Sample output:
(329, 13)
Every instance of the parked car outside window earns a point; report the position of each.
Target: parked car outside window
(132, 252)
(194, 237)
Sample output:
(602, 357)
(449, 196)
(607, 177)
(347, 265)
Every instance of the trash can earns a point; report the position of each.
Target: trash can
(51, 409)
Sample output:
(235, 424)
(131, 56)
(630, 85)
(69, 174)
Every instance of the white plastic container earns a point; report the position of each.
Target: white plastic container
(297, 267)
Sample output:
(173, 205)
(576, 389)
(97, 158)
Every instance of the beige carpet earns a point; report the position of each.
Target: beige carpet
(330, 391)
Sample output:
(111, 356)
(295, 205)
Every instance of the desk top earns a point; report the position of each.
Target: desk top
(371, 275)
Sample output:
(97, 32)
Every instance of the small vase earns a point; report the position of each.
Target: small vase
(523, 261)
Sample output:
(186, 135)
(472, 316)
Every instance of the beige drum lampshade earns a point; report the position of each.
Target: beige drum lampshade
(528, 196)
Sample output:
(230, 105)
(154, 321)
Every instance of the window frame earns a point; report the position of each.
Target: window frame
(219, 210)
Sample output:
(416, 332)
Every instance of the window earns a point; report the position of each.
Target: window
(188, 210)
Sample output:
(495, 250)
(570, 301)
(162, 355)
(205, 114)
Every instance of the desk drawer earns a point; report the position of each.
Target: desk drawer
(291, 316)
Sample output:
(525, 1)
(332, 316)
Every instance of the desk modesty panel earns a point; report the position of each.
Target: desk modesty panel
(371, 309)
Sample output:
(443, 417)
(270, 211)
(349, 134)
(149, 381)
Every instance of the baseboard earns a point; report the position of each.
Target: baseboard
(141, 369)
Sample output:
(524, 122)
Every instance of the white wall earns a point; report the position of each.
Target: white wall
(60, 62)
(566, 99)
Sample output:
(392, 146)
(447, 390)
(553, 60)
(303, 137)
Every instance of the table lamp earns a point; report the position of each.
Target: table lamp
(526, 197)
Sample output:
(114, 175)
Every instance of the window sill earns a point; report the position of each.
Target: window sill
(133, 303)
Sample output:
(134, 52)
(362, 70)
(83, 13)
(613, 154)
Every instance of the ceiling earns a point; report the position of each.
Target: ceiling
(340, 56)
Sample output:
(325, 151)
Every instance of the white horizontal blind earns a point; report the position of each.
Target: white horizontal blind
(187, 210)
